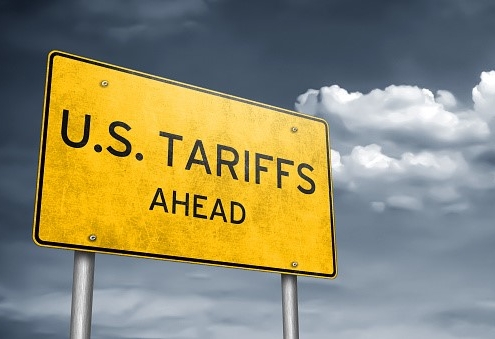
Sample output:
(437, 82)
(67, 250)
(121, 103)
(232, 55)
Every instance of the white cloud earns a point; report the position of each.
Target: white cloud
(446, 99)
(406, 148)
(399, 113)
(336, 163)
(370, 161)
(434, 176)
(484, 96)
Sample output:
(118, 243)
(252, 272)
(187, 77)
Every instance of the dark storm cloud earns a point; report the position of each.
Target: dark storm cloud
(430, 43)
(23, 7)
(357, 44)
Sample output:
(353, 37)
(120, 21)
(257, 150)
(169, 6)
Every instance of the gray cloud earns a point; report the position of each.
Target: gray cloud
(467, 322)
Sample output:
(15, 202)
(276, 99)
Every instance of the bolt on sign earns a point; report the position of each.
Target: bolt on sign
(135, 164)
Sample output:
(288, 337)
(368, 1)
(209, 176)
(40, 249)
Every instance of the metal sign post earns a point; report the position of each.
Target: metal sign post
(82, 295)
(289, 306)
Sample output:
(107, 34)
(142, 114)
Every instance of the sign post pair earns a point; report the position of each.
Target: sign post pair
(82, 299)
(137, 165)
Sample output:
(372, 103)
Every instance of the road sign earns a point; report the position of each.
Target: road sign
(134, 164)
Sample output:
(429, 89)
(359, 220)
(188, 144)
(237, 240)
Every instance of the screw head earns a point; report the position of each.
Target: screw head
(294, 264)
(104, 83)
(294, 129)
(92, 237)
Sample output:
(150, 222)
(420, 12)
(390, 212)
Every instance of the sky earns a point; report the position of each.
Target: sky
(408, 90)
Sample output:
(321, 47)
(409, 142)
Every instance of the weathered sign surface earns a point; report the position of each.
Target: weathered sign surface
(135, 164)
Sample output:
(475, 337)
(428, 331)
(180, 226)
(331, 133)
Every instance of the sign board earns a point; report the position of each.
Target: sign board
(134, 164)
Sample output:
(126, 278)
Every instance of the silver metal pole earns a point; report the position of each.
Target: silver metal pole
(289, 306)
(82, 295)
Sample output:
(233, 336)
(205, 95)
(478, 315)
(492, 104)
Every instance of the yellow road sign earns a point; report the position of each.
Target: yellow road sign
(135, 164)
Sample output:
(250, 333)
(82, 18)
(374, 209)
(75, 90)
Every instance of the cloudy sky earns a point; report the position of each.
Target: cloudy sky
(408, 89)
